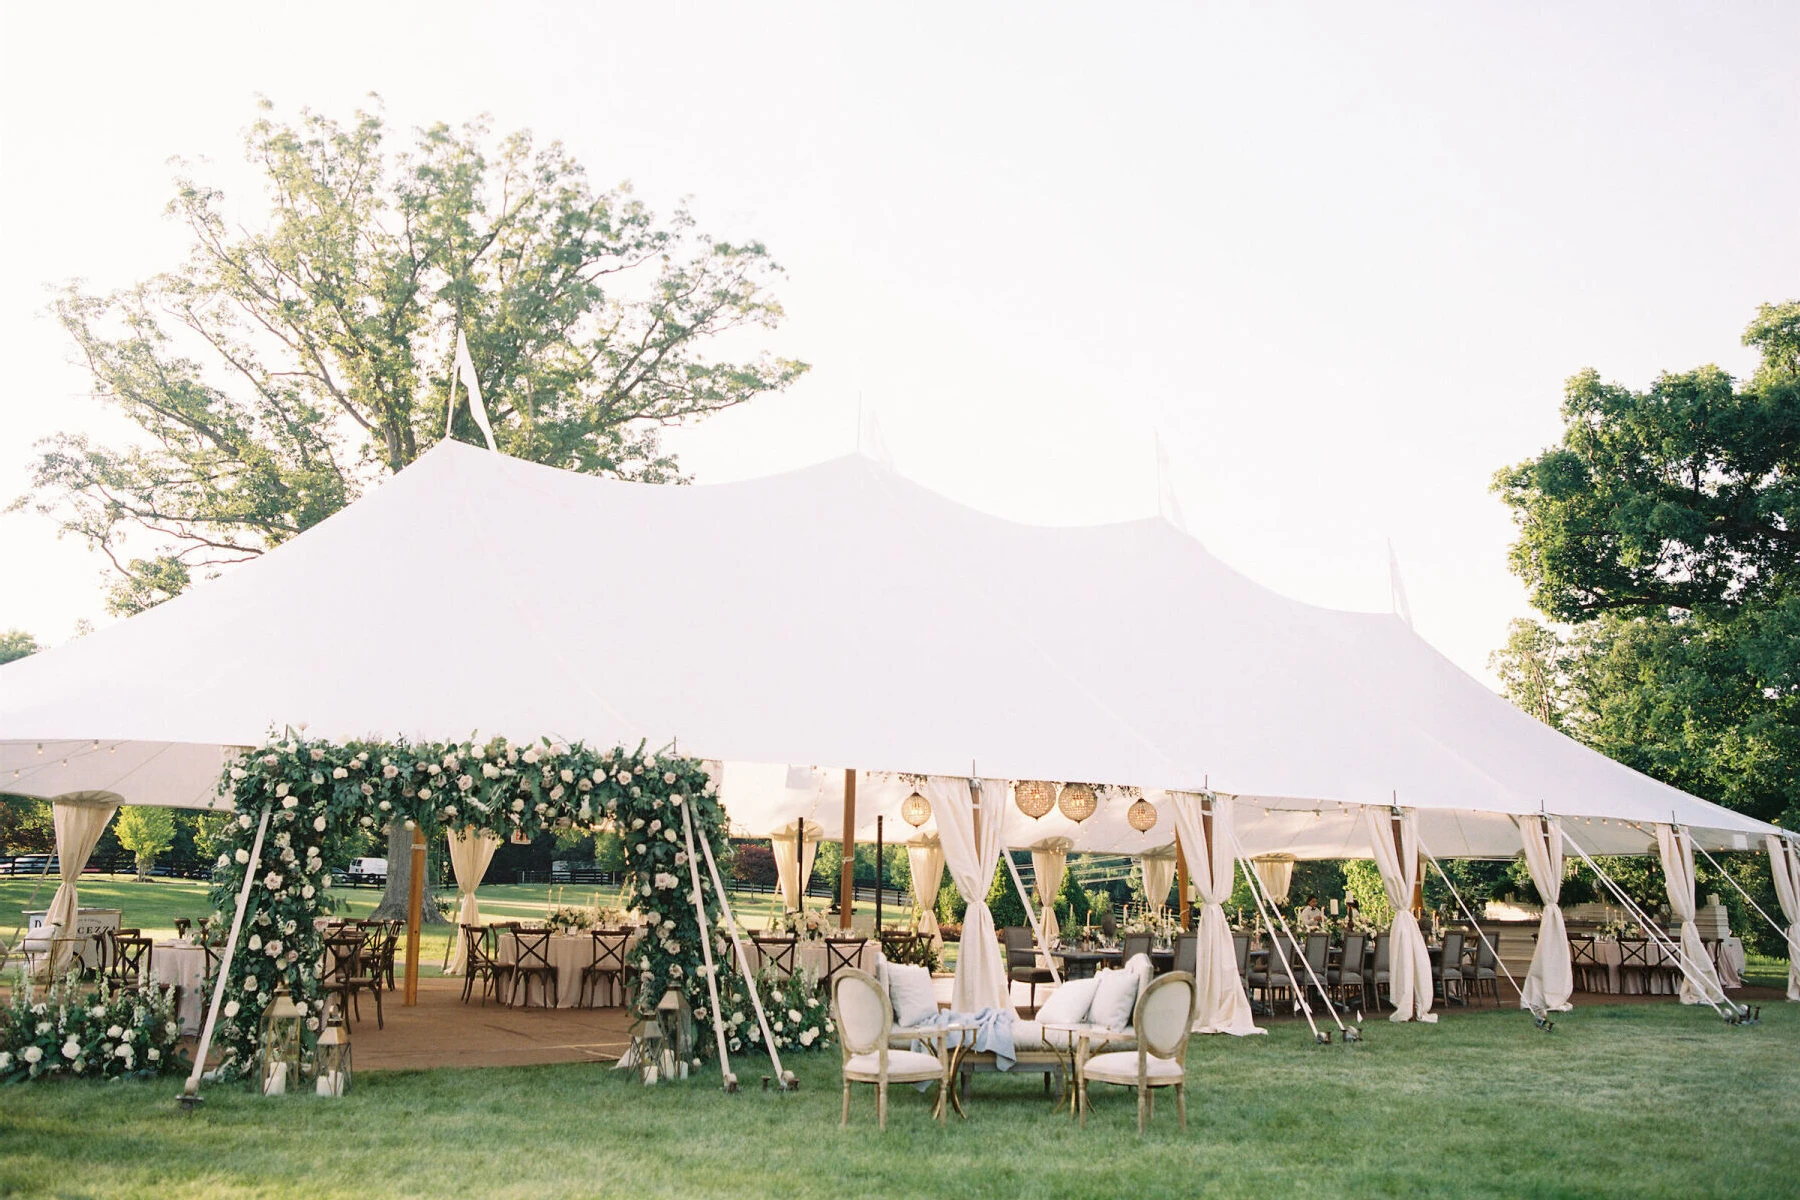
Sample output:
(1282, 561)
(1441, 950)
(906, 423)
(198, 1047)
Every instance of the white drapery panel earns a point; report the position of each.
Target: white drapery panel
(972, 852)
(78, 827)
(1158, 867)
(1276, 871)
(790, 875)
(926, 858)
(1049, 858)
(1409, 962)
(1784, 864)
(1677, 852)
(1551, 980)
(1222, 1005)
(470, 853)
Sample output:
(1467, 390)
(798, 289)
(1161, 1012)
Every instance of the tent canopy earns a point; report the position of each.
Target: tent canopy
(836, 615)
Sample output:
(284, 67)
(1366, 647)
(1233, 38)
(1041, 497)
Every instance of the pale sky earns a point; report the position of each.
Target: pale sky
(1340, 258)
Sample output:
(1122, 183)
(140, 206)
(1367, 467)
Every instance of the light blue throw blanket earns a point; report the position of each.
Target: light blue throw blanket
(993, 1032)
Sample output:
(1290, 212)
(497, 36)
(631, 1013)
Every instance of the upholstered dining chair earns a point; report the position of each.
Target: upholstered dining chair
(1162, 1020)
(865, 1018)
(1481, 975)
(1447, 974)
(1346, 979)
(1022, 964)
(1133, 944)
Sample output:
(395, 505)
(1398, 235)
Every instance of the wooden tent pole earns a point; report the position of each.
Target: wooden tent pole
(847, 876)
(415, 911)
(1181, 885)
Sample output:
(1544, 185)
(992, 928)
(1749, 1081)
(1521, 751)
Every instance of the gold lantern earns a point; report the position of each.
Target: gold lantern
(331, 1061)
(1078, 801)
(1034, 797)
(1142, 816)
(916, 809)
(645, 1054)
(281, 1031)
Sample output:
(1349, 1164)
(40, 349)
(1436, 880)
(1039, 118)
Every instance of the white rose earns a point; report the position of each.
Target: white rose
(238, 772)
(316, 778)
(33, 1054)
(385, 805)
(668, 777)
(123, 1052)
(318, 755)
(153, 1054)
(649, 760)
(307, 892)
(272, 880)
(433, 769)
(244, 821)
(270, 760)
(255, 944)
(71, 1049)
(531, 756)
(250, 981)
(367, 789)
(424, 793)
(559, 749)
(477, 751)
(281, 789)
(556, 793)
(490, 771)
(115, 1032)
(465, 782)
(243, 856)
(290, 802)
(389, 771)
(231, 1009)
(339, 773)
(319, 824)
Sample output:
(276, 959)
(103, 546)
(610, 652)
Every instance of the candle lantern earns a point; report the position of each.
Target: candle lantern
(916, 810)
(1078, 801)
(282, 1025)
(331, 1061)
(645, 1052)
(677, 1021)
(1035, 797)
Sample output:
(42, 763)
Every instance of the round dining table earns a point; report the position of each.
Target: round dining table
(570, 954)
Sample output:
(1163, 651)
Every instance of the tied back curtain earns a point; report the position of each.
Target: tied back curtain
(1222, 1005)
(1158, 867)
(1551, 980)
(792, 877)
(470, 853)
(78, 828)
(1048, 861)
(972, 852)
(1784, 863)
(926, 859)
(1677, 850)
(1409, 962)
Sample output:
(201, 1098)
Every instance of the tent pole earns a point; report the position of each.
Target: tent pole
(878, 849)
(415, 910)
(190, 1095)
(847, 875)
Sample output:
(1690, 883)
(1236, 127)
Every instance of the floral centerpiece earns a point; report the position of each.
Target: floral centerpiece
(570, 919)
(1161, 924)
(809, 926)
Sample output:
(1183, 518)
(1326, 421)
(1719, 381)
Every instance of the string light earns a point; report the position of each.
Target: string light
(40, 747)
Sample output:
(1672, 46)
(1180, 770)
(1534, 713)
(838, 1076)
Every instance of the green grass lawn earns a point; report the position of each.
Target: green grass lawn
(1640, 1100)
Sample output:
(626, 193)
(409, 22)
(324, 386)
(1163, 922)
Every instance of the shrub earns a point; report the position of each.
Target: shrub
(79, 1030)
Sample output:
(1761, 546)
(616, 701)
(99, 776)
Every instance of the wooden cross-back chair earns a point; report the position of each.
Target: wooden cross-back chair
(608, 966)
(345, 976)
(531, 960)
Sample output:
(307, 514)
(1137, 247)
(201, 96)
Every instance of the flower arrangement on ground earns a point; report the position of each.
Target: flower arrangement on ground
(799, 1016)
(75, 1029)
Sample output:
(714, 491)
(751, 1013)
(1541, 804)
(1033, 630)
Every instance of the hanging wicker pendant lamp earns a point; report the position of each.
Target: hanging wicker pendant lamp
(1078, 801)
(916, 810)
(1034, 797)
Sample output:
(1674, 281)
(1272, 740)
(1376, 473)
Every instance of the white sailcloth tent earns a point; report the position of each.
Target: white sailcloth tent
(837, 615)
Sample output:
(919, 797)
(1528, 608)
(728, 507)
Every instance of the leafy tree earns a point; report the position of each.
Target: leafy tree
(17, 644)
(1665, 530)
(145, 832)
(281, 370)
(25, 825)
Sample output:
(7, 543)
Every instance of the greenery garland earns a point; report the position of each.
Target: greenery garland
(321, 794)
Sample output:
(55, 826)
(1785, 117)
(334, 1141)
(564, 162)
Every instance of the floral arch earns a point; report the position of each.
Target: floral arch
(318, 794)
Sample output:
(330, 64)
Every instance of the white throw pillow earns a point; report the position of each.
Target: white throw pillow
(1114, 998)
(1069, 1004)
(909, 988)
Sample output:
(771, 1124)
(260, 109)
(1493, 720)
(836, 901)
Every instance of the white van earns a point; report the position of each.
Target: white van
(366, 870)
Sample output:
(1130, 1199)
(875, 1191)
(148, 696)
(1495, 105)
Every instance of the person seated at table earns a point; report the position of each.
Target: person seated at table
(1311, 916)
(1352, 913)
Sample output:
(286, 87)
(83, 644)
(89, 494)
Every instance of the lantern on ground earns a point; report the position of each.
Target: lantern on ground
(331, 1061)
(677, 1022)
(645, 1052)
(1035, 797)
(916, 810)
(281, 1030)
(1078, 801)
(1141, 816)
